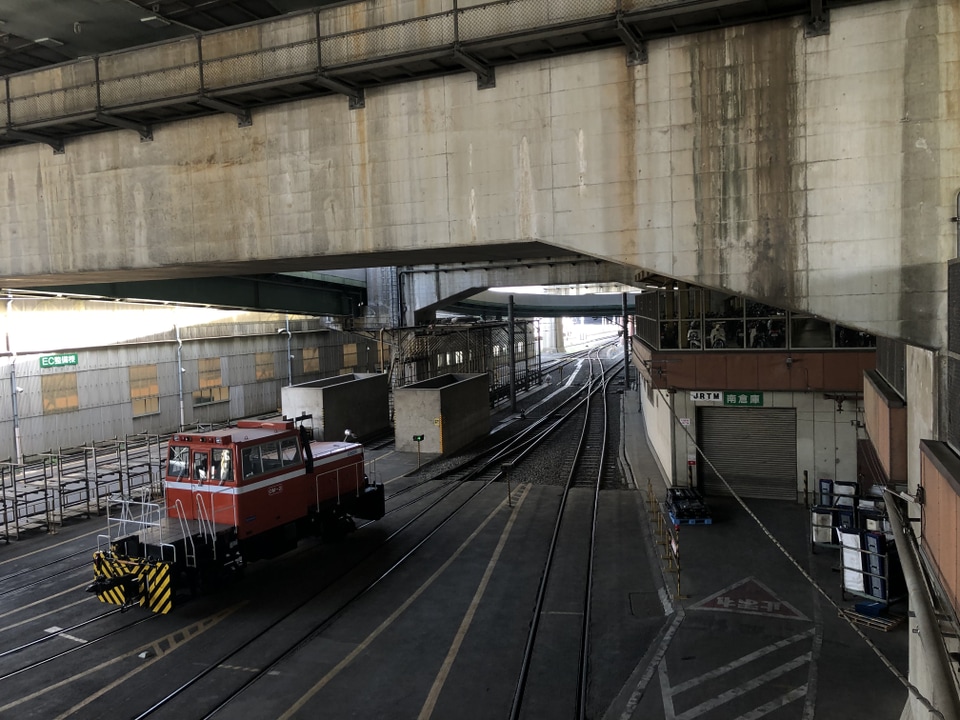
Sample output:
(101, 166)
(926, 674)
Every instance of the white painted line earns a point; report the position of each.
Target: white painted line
(740, 662)
(665, 693)
(665, 601)
(652, 667)
(431, 702)
(54, 630)
(810, 701)
(705, 707)
(780, 702)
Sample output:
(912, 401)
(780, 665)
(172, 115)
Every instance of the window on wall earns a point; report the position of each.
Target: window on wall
(311, 360)
(265, 366)
(210, 382)
(59, 393)
(349, 355)
(144, 390)
(810, 332)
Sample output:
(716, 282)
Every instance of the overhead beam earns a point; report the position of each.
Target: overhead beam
(55, 143)
(636, 47)
(275, 293)
(243, 114)
(354, 94)
(145, 131)
(819, 21)
(486, 74)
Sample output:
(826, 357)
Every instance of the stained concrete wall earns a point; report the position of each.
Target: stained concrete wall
(813, 173)
(358, 402)
(450, 411)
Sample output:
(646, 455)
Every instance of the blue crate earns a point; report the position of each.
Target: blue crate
(691, 520)
(870, 608)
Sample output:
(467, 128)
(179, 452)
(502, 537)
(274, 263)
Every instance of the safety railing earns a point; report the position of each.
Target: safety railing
(192, 67)
(667, 536)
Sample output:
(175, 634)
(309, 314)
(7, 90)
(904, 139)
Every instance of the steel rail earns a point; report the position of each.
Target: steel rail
(597, 385)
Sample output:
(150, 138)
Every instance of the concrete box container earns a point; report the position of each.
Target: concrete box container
(449, 411)
(358, 402)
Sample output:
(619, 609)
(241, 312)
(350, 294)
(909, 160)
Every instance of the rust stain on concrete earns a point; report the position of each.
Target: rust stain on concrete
(746, 170)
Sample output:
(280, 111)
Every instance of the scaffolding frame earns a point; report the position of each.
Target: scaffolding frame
(73, 490)
(27, 495)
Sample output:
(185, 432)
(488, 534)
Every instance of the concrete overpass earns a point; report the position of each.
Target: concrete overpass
(805, 156)
(813, 172)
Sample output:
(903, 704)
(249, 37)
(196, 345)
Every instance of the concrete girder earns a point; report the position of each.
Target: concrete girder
(762, 191)
(428, 288)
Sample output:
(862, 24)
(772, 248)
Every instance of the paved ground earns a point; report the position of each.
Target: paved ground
(751, 635)
(745, 632)
(742, 635)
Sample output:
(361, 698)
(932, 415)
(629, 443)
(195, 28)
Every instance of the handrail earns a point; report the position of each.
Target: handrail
(206, 524)
(426, 33)
(189, 547)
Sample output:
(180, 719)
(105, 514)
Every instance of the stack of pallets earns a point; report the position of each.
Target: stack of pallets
(686, 507)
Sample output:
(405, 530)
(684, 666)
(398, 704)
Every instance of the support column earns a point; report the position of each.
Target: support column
(512, 357)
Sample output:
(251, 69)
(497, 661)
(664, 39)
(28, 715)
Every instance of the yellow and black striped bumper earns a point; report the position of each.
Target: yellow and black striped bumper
(132, 582)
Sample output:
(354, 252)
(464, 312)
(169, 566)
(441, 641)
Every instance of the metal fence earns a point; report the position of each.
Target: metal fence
(179, 69)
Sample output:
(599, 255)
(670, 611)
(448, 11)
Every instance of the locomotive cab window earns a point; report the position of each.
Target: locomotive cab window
(200, 466)
(177, 462)
(222, 467)
(290, 452)
(250, 461)
(270, 456)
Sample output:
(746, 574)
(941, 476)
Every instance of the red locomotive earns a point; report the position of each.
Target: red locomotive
(230, 496)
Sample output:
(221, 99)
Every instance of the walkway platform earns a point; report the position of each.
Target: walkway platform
(754, 622)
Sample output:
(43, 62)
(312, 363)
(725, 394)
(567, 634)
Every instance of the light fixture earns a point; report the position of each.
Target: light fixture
(154, 21)
(48, 42)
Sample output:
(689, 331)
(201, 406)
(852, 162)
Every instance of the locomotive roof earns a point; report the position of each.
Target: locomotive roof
(243, 431)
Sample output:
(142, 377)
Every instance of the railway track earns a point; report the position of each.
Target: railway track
(420, 525)
(561, 611)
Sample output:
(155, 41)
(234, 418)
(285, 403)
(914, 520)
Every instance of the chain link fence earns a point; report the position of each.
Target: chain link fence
(173, 70)
(512, 16)
(261, 65)
(406, 36)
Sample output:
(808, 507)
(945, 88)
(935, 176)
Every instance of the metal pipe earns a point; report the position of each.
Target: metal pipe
(626, 347)
(286, 329)
(511, 357)
(180, 371)
(14, 390)
(941, 688)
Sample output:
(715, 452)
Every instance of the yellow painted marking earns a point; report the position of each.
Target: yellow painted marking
(98, 531)
(322, 682)
(199, 628)
(398, 477)
(48, 598)
(428, 706)
(32, 618)
(378, 458)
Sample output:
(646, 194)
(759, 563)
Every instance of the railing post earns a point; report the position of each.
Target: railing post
(456, 25)
(316, 17)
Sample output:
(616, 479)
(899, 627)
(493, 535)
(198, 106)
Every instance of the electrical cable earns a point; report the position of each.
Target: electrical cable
(912, 689)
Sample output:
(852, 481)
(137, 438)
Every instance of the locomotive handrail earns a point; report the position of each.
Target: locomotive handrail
(189, 548)
(149, 517)
(205, 523)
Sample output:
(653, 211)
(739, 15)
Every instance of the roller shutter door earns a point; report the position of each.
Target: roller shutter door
(754, 449)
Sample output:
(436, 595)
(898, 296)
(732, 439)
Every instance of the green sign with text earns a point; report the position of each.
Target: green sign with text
(743, 399)
(52, 361)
